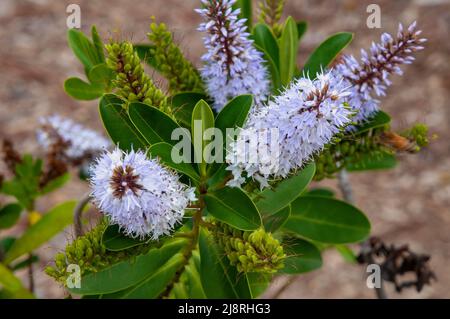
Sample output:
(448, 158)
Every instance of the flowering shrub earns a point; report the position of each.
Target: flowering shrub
(206, 193)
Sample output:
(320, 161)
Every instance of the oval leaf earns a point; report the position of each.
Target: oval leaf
(202, 119)
(9, 215)
(326, 53)
(219, 278)
(48, 226)
(183, 104)
(80, 90)
(272, 200)
(118, 125)
(379, 119)
(288, 51)
(164, 152)
(327, 220)
(274, 222)
(264, 38)
(136, 271)
(302, 256)
(234, 207)
(155, 126)
(114, 240)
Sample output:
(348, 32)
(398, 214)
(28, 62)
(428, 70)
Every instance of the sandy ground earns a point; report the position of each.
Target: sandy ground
(409, 204)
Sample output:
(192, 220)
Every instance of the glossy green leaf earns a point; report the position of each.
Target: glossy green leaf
(234, 113)
(234, 207)
(51, 223)
(379, 119)
(302, 27)
(101, 75)
(288, 51)
(84, 49)
(219, 278)
(258, 283)
(98, 44)
(326, 53)
(12, 284)
(275, 221)
(154, 125)
(246, 12)
(153, 286)
(128, 273)
(327, 220)
(118, 125)
(164, 152)
(9, 214)
(323, 192)
(56, 183)
(375, 161)
(114, 240)
(81, 90)
(273, 69)
(346, 253)
(302, 256)
(264, 38)
(272, 200)
(144, 52)
(202, 119)
(183, 104)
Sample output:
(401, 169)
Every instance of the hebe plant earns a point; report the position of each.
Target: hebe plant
(214, 229)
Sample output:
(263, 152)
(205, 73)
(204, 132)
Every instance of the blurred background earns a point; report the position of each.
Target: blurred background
(406, 205)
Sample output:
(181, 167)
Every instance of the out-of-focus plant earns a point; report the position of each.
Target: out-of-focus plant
(200, 227)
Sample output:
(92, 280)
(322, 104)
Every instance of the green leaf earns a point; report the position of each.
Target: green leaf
(164, 151)
(272, 200)
(234, 113)
(25, 263)
(12, 284)
(219, 279)
(183, 104)
(144, 52)
(373, 162)
(118, 125)
(264, 38)
(154, 125)
(273, 69)
(81, 90)
(101, 75)
(302, 27)
(288, 51)
(323, 192)
(48, 226)
(302, 256)
(195, 288)
(379, 119)
(203, 116)
(232, 116)
(98, 44)
(327, 220)
(234, 207)
(84, 49)
(114, 240)
(9, 215)
(275, 221)
(25, 185)
(129, 272)
(156, 283)
(346, 253)
(258, 282)
(326, 53)
(56, 183)
(246, 12)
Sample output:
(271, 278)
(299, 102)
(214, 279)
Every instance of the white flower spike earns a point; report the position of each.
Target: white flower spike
(232, 66)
